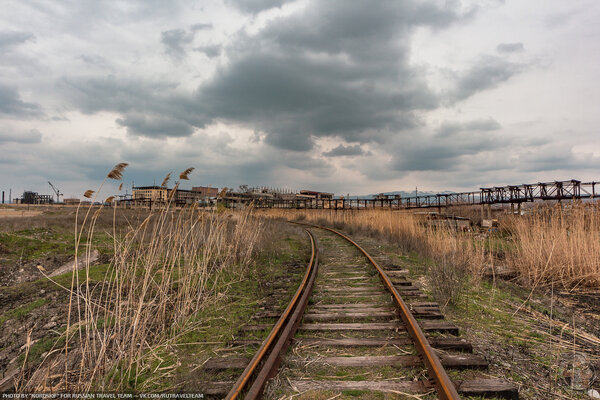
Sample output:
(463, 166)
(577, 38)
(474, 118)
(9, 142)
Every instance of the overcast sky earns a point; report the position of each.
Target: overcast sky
(341, 95)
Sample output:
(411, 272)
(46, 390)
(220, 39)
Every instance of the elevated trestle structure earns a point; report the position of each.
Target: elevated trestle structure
(512, 194)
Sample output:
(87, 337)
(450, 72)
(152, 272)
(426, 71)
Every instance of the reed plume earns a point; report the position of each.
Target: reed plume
(88, 194)
(117, 172)
(165, 181)
(184, 174)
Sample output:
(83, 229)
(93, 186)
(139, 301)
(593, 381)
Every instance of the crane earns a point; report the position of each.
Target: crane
(58, 193)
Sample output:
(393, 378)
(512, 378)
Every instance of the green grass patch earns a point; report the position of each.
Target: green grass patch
(31, 244)
(40, 347)
(96, 273)
(22, 311)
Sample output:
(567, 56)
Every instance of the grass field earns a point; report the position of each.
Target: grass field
(171, 285)
(161, 276)
(548, 246)
(170, 279)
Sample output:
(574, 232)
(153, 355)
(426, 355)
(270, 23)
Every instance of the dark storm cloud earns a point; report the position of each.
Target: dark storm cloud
(554, 157)
(333, 69)
(11, 105)
(12, 38)
(91, 95)
(210, 51)
(175, 41)
(124, 95)
(342, 150)
(255, 6)
(444, 150)
(337, 68)
(510, 48)
(149, 108)
(25, 137)
(155, 126)
(487, 73)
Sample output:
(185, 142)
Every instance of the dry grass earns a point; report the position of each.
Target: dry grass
(556, 245)
(551, 245)
(455, 255)
(165, 269)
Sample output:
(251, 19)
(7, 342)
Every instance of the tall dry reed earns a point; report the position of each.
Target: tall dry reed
(455, 254)
(164, 270)
(556, 245)
(549, 245)
(409, 231)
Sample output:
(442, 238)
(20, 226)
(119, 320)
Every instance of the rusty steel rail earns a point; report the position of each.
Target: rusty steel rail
(437, 374)
(265, 362)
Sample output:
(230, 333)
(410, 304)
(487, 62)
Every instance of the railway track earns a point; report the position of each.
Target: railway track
(354, 328)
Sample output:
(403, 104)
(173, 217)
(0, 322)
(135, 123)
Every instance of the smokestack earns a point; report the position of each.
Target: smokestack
(3, 197)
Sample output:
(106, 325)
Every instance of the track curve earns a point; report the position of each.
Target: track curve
(266, 360)
(444, 386)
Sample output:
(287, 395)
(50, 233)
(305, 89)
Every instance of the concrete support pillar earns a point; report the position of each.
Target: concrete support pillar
(519, 208)
(512, 208)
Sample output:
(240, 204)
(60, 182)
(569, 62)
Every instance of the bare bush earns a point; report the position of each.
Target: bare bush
(448, 283)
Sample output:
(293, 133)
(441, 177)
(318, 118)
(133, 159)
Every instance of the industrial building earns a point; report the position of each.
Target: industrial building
(206, 191)
(72, 201)
(267, 197)
(30, 197)
(152, 194)
(311, 194)
(148, 195)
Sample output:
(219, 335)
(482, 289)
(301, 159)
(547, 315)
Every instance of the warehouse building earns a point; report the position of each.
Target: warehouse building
(311, 194)
(148, 195)
(206, 191)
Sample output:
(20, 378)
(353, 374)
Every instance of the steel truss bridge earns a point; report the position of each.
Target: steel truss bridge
(512, 194)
